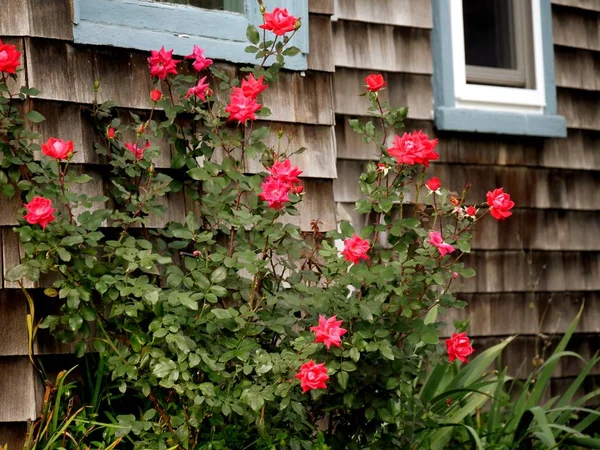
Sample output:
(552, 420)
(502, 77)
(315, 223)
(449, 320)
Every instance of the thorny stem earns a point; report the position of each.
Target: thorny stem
(382, 121)
(61, 182)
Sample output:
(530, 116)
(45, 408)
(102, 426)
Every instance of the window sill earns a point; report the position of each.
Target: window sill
(499, 122)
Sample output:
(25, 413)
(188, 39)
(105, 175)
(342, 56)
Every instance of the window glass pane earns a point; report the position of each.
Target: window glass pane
(220, 5)
(489, 33)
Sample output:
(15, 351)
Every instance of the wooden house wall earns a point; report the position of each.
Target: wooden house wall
(535, 269)
(301, 103)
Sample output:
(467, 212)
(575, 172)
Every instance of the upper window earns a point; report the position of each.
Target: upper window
(218, 26)
(494, 67)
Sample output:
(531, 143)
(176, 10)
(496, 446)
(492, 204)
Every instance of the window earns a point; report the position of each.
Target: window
(218, 26)
(494, 68)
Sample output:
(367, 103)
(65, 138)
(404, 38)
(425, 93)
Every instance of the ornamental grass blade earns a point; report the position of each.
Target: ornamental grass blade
(545, 433)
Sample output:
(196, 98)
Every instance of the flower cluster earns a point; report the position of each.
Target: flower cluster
(283, 180)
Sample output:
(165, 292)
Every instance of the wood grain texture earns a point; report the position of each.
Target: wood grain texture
(577, 151)
(382, 47)
(321, 6)
(320, 56)
(529, 187)
(576, 28)
(546, 312)
(20, 389)
(414, 91)
(15, 18)
(37, 18)
(13, 434)
(580, 108)
(576, 68)
(405, 13)
(13, 328)
(592, 5)
(518, 271)
(317, 204)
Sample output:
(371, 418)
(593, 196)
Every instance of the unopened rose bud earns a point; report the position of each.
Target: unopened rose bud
(455, 275)
(140, 129)
(151, 169)
(262, 8)
(298, 24)
(196, 253)
(155, 95)
(280, 133)
(111, 133)
(96, 85)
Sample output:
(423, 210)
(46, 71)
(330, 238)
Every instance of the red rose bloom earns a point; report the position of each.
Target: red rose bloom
(500, 204)
(279, 21)
(435, 239)
(200, 90)
(241, 107)
(356, 249)
(459, 347)
(433, 184)
(312, 376)
(155, 95)
(200, 62)
(138, 152)
(375, 82)
(283, 171)
(329, 331)
(414, 148)
(57, 148)
(161, 63)
(251, 87)
(275, 192)
(40, 211)
(9, 58)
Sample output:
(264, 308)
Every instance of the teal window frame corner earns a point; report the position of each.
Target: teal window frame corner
(147, 25)
(448, 117)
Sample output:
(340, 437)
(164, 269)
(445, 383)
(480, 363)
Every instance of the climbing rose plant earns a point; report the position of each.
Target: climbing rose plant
(235, 328)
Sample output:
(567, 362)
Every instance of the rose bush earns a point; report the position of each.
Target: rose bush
(225, 330)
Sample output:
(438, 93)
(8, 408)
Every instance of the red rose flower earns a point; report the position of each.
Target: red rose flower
(375, 82)
(251, 87)
(57, 148)
(9, 58)
(138, 152)
(459, 346)
(200, 90)
(275, 192)
(155, 95)
(500, 204)
(356, 249)
(312, 376)
(414, 148)
(329, 331)
(435, 239)
(161, 63)
(200, 62)
(40, 211)
(471, 211)
(279, 21)
(433, 184)
(283, 171)
(241, 107)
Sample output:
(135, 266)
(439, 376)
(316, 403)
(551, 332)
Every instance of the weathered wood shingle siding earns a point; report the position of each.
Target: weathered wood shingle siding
(543, 261)
(64, 72)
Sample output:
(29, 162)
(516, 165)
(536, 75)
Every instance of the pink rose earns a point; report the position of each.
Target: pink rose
(57, 148)
(138, 152)
(355, 249)
(40, 211)
(433, 184)
(9, 58)
(279, 21)
(312, 376)
(329, 331)
(251, 87)
(500, 204)
(200, 90)
(471, 211)
(275, 192)
(155, 95)
(200, 62)
(161, 63)
(459, 346)
(241, 107)
(375, 82)
(414, 148)
(435, 239)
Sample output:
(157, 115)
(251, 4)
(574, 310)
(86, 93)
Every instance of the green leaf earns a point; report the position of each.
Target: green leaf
(221, 313)
(71, 240)
(35, 117)
(365, 312)
(219, 275)
(343, 378)
(17, 273)
(252, 34)
(348, 366)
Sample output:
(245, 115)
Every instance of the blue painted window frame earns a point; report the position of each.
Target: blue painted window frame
(447, 116)
(147, 25)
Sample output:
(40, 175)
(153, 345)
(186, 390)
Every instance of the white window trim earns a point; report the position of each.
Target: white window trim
(496, 98)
